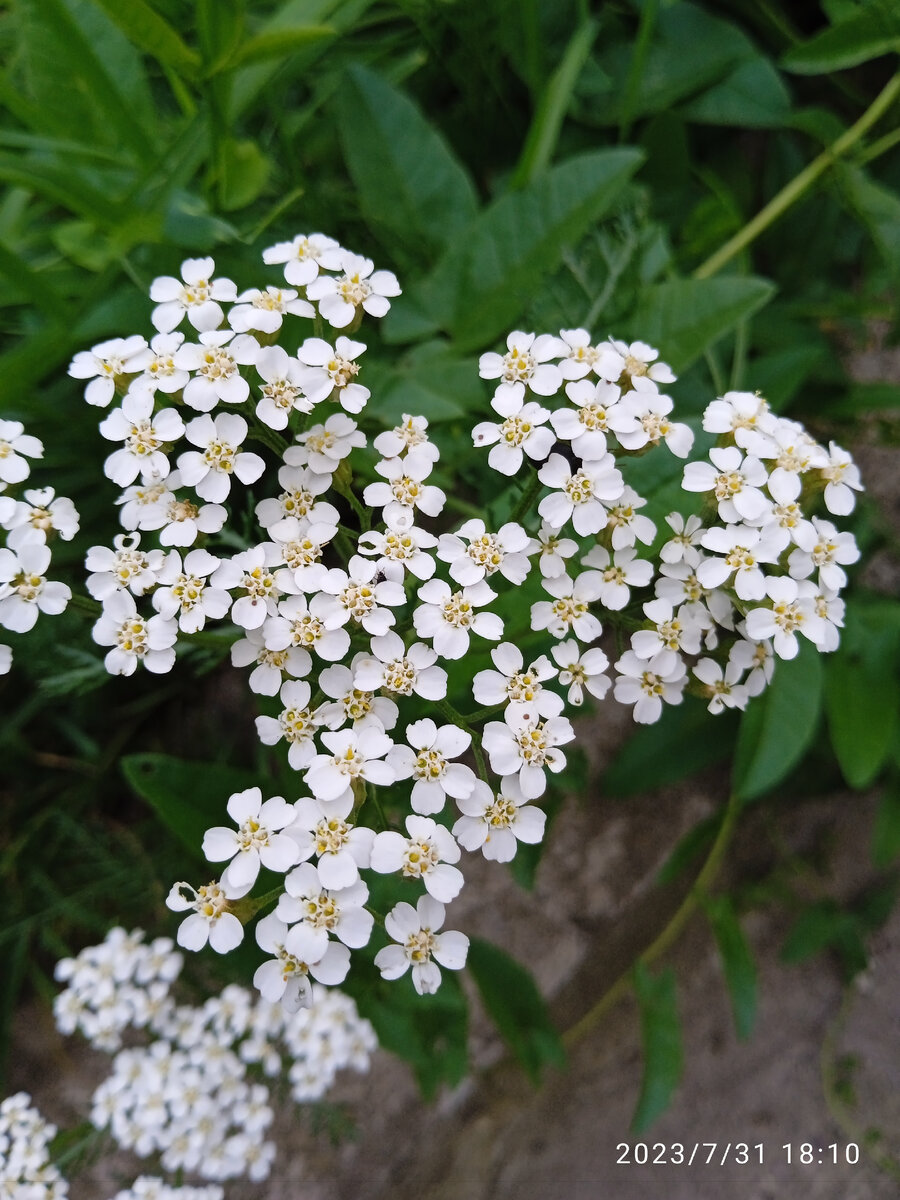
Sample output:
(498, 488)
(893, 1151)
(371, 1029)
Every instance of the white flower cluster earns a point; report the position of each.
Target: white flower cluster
(150, 1187)
(31, 522)
(26, 1172)
(358, 590)
(184, 1094)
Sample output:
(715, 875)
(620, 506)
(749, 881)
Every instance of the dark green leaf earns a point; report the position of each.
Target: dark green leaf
(147, 30)
(879, 209)
(886, 835)
(752, 96)
(411, 185)
(780, 375)
(737, 962)
(826, 926)
(685, 317)
(484, 282)
(661, 1037)
(862, 690)
(429, 381)
(866, 32)
(779, 725)
(512, 999)
(686, 739)
(189, 797)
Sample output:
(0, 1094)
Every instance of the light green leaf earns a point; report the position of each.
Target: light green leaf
(516, 1006)
(737, 962)
(485, 280)
(752, 96)
(188, 797)
(779, 725)
(868, 32)
(274, 45)
(245, 172)
(685, 317)
(862, 690)
(411, 185)
(147, 30)
(661, 1037)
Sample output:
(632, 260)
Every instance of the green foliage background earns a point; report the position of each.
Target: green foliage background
(519, 163)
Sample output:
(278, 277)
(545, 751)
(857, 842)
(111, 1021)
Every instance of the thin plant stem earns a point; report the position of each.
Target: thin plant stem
(669, 934)
(526, 499)
(801, 183)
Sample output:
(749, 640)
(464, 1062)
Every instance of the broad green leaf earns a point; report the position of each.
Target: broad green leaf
(245, 172)
(685, 317)
(486, 278)
(752, 96)
(411, 186)
(428, 1032)
(780, 375)
(779, 725)
(867, 32)
(430, 381)
(661, 1038)
(879, 209)
(516, 1006)
(886, 834)
(862, 690)
(188, 797)
(737, 962)
(147, 30)
(686, 739)
(275, 45)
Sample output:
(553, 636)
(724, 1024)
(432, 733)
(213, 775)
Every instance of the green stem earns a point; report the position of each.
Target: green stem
(365, 517)
(800, 183)
(85, 604)
(635, 78)
(526, 499)
(670, 934)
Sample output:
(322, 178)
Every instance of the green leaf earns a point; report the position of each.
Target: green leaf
(686, 739)
(485, 280)
(737, 962)
(780, 375)
(661, 1037)
(685, 317)
(826, 926)
(274, 45)
(752, 96)
(411, 185)
(245, 172)
(879, 209)
(862, 690)
(147, 30)
(886, 834)
(867, 32)
(516, 1006)
(429, 380)
(779, 725)
(188, 797)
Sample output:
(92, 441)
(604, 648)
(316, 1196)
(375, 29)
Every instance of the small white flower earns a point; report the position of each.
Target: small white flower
(350, 702)
(196, 294)
(405, 490)
(554, 550)
(524, 365)
(257, 841)
(25, 590)
(264, 311)
(144, 433)
(299, 498)
(627, 525)
(104, 363)
(15, 447)
(250, 573)
(524, 431)
(133, 638)
(514, 684)
(475, 554)
(296, 724)
(569, 611)
(125, 566)
(425, 854)
(271, 665)
(355, 754)
(620, 572)
(792, 611)
(495, 824)
(682, 547)
(410, 433)
(743, 549)
(447, 617)
(587, 425)
(359, 286)
(428, 763)
(39, 514)
(640, 361)
(649, 413)
(209, 470)
(756, 657)
(400, 671)
(722, 685)
(187, 594)
(281, 391)
(403, 548)
(580, 669)
(421, 945)
(304, 256)
(342, 849)
(672, 631)
(581, 495)
(323, 447)
(734, 480)
(331, 371)
(581, 357)
(313, 626)
(216, 365)
(339, 912)
(830, 551)
(843, 479)
(525, 746)
(179, 521)
(359, 596)
(648, 683)
(299, 952)
(156, 364)
(210, 921)
(742, 414)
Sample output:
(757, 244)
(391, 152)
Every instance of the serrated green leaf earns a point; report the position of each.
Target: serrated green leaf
(886, 834)
(188, 797)
(661, 1039)
(862, 690)
(752, 96)
(866, 33)
(779, 725)
(686, 317)
(737, 962)
(146, 29)
(516, 1006)
(485, 280)
(686, 739)
(411, 185)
